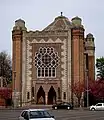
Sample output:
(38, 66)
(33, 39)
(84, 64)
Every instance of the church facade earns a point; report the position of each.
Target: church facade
(47, 63)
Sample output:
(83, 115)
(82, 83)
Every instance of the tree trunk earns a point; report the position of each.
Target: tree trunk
(79, 102)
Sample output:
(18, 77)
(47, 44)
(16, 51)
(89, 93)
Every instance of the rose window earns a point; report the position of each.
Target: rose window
(46, 62)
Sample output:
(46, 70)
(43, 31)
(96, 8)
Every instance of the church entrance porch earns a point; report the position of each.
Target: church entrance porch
(51, 96)
(46, 97)
(41, 96)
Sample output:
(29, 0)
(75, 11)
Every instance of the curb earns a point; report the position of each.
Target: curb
(38, 107)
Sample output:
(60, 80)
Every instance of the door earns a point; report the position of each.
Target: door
(41, 96)
(99, 106)
(51, 96)
(66, 105)
(61, 106)
(103, 107)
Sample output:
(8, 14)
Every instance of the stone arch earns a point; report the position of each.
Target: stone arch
(41, 96)
(51, 95)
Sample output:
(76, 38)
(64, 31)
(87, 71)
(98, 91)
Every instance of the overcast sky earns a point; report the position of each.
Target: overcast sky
(39, 13)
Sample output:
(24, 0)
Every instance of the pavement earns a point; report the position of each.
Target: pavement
(38, 107)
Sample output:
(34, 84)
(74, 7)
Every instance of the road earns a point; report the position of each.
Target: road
(59, 114)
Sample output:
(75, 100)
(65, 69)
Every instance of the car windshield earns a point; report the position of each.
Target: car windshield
(39, 114)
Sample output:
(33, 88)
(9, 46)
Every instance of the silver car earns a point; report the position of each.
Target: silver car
(35, 114)
(98, 106)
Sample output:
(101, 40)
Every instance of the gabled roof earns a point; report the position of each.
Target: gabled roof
(60, 23)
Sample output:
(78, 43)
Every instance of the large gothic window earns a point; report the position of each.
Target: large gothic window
(46, 62)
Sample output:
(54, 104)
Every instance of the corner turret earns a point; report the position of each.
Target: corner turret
(77, 22)
(19, 25)
(90, 50)
(18, 32)
(90, 45)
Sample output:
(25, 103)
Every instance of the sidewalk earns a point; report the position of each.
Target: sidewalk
(26, 107)
(81, 108)
(38, 107)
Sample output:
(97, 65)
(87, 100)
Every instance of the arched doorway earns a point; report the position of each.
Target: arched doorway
(51, 96)
(40, 96)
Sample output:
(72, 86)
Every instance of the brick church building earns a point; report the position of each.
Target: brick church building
(47, 63)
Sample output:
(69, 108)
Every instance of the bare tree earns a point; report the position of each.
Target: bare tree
(5, 67)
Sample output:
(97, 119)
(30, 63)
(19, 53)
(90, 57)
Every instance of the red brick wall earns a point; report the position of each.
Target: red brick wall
(17, 48)
(91, 67)
(78, 55)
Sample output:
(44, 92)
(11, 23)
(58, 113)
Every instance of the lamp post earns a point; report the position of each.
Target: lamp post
(14, 100)
(87, 87)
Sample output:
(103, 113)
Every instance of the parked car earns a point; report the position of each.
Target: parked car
(63, 105)
(35, 114)
(98, 106)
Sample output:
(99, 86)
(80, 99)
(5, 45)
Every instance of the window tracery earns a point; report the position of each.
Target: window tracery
(46, 62)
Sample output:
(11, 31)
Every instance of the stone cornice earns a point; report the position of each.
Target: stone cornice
(46, 33)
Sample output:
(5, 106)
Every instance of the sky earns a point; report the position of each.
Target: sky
(40, 13)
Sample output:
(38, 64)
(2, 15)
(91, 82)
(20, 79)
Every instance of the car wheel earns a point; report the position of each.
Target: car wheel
(92, 109)
(68, 108)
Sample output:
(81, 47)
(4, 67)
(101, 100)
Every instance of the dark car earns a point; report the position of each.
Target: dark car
(63, 105)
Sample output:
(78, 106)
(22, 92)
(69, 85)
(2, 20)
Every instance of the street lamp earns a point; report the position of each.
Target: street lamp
(87, 87)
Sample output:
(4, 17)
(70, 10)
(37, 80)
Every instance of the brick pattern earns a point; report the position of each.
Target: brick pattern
(24, 54)
(17, 44)
(28, 69)
(69, 66)
(91, 68)
(78, 67)
(64, 62)
(78, 55)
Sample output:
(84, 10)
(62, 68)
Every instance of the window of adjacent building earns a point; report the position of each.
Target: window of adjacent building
(46, 62)
(64, 95)
(32, 91)
(28, 95)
